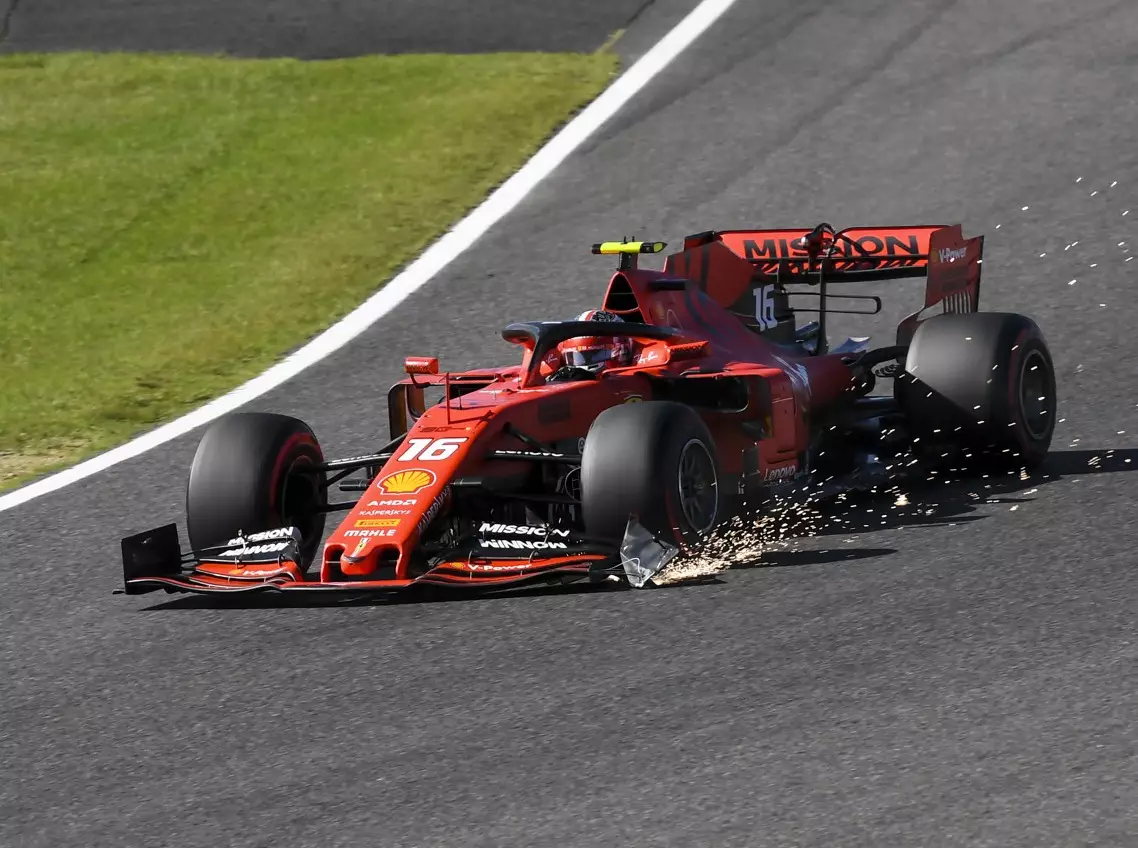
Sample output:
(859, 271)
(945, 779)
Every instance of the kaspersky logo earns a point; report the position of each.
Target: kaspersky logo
(407, 482)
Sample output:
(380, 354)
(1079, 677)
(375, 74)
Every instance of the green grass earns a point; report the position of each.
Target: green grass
(170, 226)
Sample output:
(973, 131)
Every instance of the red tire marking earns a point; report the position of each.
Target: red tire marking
(278, 468)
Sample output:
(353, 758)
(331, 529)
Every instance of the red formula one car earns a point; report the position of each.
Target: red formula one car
(623, 439)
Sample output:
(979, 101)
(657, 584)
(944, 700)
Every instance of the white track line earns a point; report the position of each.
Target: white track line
(419, 272)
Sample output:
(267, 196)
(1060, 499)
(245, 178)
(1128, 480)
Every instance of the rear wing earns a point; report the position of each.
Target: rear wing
(732, 266)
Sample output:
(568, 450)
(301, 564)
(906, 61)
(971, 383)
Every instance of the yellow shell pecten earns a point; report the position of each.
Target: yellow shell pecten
(406, 482)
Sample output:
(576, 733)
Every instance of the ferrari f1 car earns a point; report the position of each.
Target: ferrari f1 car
(553, 470)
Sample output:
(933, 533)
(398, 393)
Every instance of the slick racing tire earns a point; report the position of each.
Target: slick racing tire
(979, 389)
(248, 476)
(655, 460)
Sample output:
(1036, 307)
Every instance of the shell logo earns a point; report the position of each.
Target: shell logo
(409, 482)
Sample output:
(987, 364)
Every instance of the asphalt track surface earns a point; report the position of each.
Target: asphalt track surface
(313, 30)
(960, 670)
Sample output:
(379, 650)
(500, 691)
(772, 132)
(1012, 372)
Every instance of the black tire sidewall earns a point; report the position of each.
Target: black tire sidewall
(1030, 449)
(630, 466)
(961, 387)
(240, 476)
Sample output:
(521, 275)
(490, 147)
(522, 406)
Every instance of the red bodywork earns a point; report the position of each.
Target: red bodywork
(707, 293)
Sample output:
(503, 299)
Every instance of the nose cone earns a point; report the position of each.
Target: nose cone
(378, 537)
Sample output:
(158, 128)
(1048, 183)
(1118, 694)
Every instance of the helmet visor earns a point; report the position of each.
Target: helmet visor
(591, 358)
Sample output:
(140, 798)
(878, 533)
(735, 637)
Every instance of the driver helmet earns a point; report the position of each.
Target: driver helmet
(596, 353)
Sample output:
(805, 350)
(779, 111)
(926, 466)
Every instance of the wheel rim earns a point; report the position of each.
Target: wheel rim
(1036, 397)
(698, 486)
(299, 498)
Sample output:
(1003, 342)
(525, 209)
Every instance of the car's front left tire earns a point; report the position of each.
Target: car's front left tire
(657, 461)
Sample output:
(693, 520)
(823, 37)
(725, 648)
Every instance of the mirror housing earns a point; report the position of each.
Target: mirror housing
(421, 365)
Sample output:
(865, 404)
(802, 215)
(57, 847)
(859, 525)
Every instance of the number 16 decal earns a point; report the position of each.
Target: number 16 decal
(764, 307)
(430, 450)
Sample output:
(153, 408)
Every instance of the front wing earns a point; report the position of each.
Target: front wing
(154, 561)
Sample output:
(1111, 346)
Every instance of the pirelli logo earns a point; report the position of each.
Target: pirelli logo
(378, 522)
(957, 303)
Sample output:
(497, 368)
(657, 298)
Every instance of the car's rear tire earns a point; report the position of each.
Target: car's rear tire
(248, 476)
(979, 389)
(656, 460)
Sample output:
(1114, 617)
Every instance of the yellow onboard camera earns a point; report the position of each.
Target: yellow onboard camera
(628, 250)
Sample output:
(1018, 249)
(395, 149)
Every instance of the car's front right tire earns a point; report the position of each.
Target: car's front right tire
(253, 472)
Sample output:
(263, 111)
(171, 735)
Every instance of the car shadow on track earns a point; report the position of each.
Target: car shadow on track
(912, 499)
(428, 596)
(908, 500)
